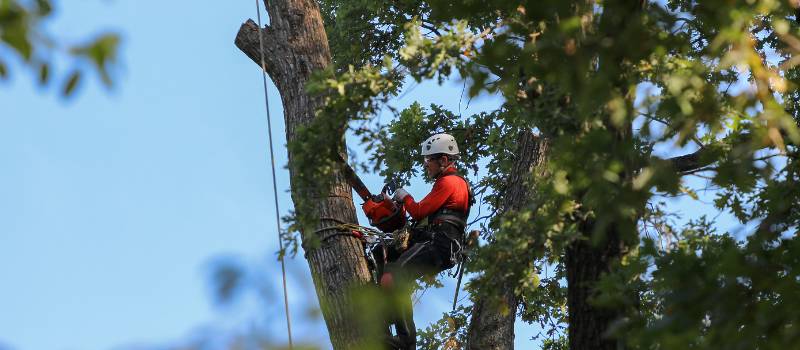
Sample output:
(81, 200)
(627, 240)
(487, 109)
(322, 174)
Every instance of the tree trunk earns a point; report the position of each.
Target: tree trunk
(294, 46)
(590, 257)
(585, 264)
(491, 327)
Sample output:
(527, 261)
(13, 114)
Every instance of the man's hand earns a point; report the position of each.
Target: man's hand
(400, 194)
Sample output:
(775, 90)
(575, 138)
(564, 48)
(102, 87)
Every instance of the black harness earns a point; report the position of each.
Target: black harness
(451, 216)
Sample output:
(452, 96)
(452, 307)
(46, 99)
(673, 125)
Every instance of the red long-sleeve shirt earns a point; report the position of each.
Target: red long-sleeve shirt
(449, 192)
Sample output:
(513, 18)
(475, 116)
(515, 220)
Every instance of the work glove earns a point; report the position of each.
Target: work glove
(400, 194)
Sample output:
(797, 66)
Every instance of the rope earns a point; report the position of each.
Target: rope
(469, 244)
(346, 229)
(274, 182)
(460, 271)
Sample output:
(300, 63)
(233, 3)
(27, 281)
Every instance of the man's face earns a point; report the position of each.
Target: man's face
(433, 165)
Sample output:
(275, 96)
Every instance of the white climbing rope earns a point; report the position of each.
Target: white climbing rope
(274, 182)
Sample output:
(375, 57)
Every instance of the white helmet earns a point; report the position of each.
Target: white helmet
(440, 144)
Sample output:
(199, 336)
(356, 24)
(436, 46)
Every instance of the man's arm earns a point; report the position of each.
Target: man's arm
(431, 203)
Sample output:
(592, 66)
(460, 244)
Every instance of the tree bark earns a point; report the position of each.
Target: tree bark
(490, 327)
(295, 45)
(593, 254)
(585, 264)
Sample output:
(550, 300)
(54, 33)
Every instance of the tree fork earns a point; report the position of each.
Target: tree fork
(295, 45)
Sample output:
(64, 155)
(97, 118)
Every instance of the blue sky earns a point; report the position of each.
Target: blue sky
(114, 204)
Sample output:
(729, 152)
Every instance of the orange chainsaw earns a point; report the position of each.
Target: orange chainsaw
(382, 212)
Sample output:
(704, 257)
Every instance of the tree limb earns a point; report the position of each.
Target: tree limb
(692, 161)
(708, 155)
(431, 28)
(247, 40)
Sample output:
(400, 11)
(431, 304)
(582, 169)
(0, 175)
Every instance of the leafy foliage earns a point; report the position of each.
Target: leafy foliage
(362, 32)
(22, 32)
(447, 333)
(712, 291)
(617, 88)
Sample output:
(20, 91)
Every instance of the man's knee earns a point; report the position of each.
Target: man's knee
(387, 280)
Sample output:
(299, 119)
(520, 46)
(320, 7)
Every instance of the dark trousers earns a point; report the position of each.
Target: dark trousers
(431, 251)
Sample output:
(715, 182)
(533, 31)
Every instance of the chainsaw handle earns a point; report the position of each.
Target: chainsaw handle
(389, 188)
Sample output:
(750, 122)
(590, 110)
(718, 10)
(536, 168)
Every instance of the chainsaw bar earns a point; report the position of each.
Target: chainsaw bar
(355, 181)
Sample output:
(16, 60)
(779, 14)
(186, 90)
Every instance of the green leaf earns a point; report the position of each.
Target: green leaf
(72, 83)
(16, 36)
(44, 73)
(43, 8)
(101, 52)
(3, 70)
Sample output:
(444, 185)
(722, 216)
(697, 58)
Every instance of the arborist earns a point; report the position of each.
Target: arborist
(438, 234)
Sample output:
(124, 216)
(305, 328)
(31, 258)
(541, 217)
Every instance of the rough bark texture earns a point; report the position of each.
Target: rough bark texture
(490, 328)
(585, 264)
(295, 45)
(586, 260)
